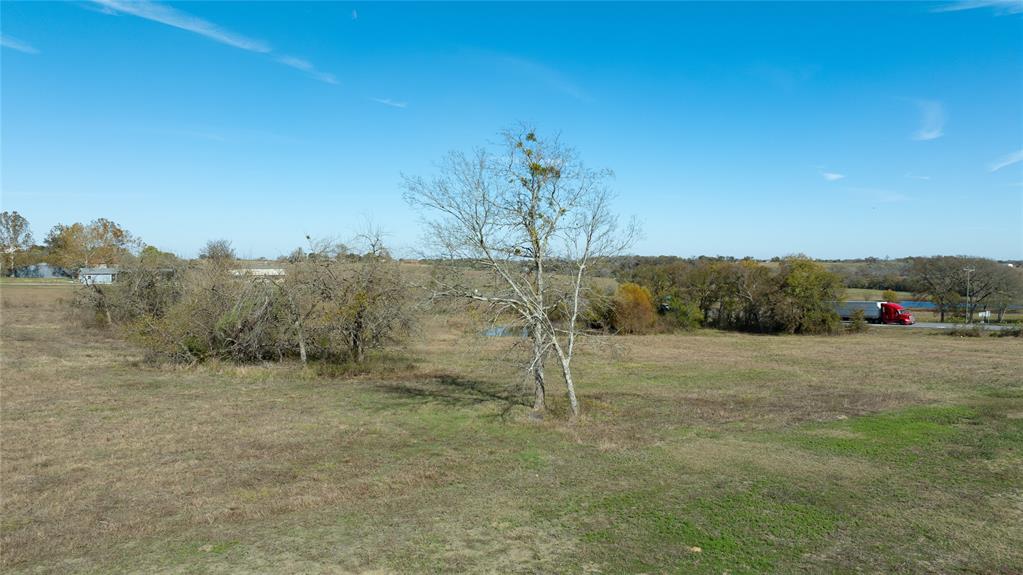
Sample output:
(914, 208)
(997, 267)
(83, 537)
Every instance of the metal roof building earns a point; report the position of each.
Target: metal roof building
(91, 276)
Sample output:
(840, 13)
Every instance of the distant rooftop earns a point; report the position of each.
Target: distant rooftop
(98, 271)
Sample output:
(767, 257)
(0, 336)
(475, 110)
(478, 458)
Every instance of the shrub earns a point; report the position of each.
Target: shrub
(633, 310)
(858, 323)
(682, 315)
(599, 311)
(146, 286)
(322, 310)
(973, 331)
(890, 296)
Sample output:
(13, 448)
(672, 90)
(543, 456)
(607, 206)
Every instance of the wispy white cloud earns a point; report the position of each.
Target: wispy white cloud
(390, 102)
(932, 120)
(831, 176)
(165, 14)
(913, 176)
(15, 44)
(308, 68)
(1006, 161)
(547, 75)
(999, 6)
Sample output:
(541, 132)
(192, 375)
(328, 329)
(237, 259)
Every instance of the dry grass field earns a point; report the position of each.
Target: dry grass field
(882, 452)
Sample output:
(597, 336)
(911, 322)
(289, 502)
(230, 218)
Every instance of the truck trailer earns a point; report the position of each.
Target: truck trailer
(874, 311)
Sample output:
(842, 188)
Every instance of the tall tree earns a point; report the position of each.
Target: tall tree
(1009, 291)
(15, 237)
(938, 279)
(79, 245)
(802, 304)
(533, 214)
(984, 280)
(951, 281)
(704, 286)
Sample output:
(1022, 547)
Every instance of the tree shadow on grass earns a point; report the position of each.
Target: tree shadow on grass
(456, 391)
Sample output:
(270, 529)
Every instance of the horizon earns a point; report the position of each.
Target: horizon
(837, 130)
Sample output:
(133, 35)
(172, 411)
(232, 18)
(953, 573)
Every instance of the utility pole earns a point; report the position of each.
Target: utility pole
(969, 308)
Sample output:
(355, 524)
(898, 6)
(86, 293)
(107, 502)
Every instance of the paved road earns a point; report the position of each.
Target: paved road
(936, 325)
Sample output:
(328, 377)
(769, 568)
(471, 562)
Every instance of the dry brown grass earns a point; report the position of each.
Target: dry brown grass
(113, 465)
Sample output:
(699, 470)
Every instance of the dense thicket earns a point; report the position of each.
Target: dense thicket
(322, 309)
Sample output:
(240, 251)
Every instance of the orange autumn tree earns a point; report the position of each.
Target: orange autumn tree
(634, 309)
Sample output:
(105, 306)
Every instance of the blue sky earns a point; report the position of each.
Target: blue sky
(833, 129)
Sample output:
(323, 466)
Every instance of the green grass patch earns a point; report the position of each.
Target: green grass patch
(902, 434)
(755, 530)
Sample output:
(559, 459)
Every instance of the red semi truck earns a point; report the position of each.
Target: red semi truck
(875, 311)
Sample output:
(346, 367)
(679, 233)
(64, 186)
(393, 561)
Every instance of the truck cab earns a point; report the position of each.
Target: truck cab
(895, 313)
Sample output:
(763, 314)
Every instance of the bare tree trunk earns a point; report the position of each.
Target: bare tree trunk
(539, 390)
(539, 385)
(299, 322)
(103, 304)
(566, 370)
(301, 341)
(358, 349)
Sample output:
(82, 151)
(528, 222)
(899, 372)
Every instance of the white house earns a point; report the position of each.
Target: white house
(266, 272)
(90, 276)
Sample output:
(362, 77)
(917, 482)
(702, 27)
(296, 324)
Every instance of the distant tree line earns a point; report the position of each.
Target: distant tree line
(747, 294)
(790, 296)
(70, 247)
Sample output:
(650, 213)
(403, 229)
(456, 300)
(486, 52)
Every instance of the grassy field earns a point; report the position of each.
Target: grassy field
(874, 294)
(888, 451)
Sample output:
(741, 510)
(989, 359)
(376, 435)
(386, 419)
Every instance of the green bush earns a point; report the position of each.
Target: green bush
(682, 315)
(972, 331)
(858, 323)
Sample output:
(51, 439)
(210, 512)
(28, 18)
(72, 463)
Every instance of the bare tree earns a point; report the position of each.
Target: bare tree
(1009, 291)
(15, 237)
(347, 308)
(950, 281)
(535, 216)
(218, 251)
